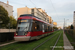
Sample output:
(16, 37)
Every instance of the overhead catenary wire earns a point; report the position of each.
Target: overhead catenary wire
(18, 3)
(32, 3)
(54, 8)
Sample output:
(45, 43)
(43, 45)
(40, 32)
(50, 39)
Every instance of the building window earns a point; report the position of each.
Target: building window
(32, 11)
(36, 26)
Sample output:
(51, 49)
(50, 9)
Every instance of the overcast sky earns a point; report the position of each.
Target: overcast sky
(57, 9)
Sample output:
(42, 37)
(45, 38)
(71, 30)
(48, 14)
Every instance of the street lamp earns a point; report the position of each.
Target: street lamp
(64, 22)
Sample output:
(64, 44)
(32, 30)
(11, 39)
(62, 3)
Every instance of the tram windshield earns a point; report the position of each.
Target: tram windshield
(23, 25)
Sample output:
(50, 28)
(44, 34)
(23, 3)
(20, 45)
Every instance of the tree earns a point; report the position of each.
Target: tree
(55, 28)
(4, 17)
(12, 22)
(71, 27)
(68, 27)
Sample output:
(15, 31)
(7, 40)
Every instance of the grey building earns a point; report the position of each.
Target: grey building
(74, 20)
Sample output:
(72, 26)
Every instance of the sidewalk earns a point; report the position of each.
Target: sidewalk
(7, 43)
(67, 45)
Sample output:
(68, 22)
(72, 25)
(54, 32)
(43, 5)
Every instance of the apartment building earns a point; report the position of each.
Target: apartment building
(8, 7)
(36, 12)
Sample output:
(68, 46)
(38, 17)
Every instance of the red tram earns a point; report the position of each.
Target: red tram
(30, 27)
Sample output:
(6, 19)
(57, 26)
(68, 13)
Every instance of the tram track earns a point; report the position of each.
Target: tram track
(20, 45)
(45, 41)
(36, 47)
(56, 41)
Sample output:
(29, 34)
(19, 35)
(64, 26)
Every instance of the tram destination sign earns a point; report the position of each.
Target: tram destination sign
(23, 21)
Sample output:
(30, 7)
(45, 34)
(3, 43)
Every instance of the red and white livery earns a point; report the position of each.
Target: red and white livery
(30, 27)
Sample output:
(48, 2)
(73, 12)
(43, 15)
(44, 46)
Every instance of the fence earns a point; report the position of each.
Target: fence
(70, 32)
(6, 34)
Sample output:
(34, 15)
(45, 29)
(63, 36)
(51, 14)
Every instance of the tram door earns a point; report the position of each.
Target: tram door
(43, 28)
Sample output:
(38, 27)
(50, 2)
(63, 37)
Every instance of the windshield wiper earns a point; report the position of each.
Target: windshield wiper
(24, 29)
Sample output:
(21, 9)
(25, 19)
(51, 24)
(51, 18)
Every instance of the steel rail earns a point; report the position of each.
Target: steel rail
(56, 41)
(44, 41)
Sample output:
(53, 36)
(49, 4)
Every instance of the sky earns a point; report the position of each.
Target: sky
(57, 9)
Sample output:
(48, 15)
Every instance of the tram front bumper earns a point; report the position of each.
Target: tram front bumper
(25, 38)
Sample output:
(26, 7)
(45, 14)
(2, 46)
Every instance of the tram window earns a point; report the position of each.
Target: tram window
(41, 26)
(51, 29)
(36, 26)
(48, 28)
(45, 27)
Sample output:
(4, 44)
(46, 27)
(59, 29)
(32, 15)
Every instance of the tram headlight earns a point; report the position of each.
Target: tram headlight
(25, 33)
(16, 34)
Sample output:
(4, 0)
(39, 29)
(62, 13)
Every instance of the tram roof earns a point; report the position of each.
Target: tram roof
(30, 16)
